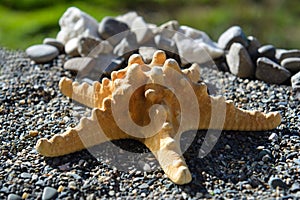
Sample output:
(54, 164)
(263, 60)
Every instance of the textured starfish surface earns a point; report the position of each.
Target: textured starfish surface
(152, 103)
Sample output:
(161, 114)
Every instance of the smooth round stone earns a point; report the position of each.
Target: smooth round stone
(271, 72)
(25, 175)
(80, 65)
(267, 51)
(253, 47)
(13, 197)
(282, 54)
(275, 182)
(42, 53)
(231, 35)
(292, 64)
(49, 193)
(54, 42)
(143, 186)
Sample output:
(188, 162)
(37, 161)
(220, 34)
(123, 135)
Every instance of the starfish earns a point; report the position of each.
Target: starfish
(152, 103)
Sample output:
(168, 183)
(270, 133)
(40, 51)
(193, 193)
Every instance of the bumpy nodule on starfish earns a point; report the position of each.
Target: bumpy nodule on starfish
(142, 96)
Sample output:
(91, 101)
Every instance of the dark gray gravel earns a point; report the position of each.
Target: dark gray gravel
(242, 165)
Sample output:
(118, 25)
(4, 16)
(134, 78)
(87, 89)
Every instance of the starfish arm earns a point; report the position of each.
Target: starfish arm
(167, 152)
(89, 132)
(246, 120)
(217, 113)
(89, 95)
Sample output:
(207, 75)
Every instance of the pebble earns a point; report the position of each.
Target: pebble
(267, 51)
(165, 44)
(201, 41)
(54, 42)
(49, 193)
(271, 72)
(112, 30)
(143, 186)
(128, 18)
(275, 182)
(168, 28)
(142, 31)
(86, 45)
(71, 47)
(147, 53)
(282, 54)
(253, 46)
(232, 35)
(81, 65)
(273, 137)
(42, 53)
(292, 64)
(25, 175)
(33, 133)
(191, 50)
(239, 61)
(13, 197)
(126, 46)
(295, 80)
(295, 187)
(75, 23)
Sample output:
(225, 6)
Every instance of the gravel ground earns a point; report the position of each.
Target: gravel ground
(242, 165)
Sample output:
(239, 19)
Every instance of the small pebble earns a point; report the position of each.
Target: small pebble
(42, 53)
(49, 193)
(275, 182)
(13, 197)
(33, 133)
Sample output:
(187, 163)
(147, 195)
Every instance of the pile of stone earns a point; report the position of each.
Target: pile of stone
(96, 49)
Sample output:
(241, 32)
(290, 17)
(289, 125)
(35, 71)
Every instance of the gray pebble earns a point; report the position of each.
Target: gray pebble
(142, 31)
(282, 54)
(253, 46)
(42, 53)
(80, 65)
(113, 30)
(267, 51)
(231, 35)
(49, 193)
(291, 155)
(297, 161)
(169, 28)
(239, 61)
(87, 44)
(25, 175)
(143, 186)
(13, 197)
(54, 42)
(295, 187)
(40, 183)
(165, 44)
(126, 46)
(295, 80)
(273, 137)
(271, 72)
(292, 64)
(275, 182)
